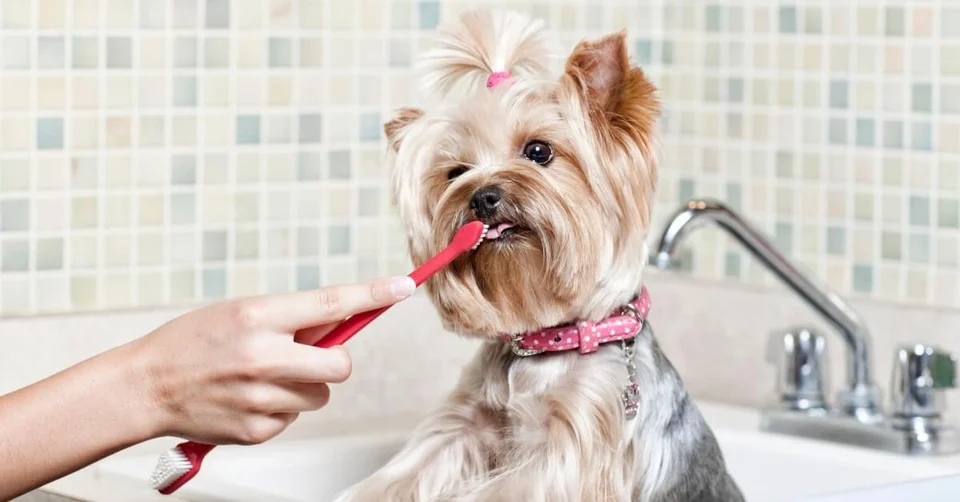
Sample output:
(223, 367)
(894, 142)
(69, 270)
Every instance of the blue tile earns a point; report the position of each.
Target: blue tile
(214, 283)
(281, 52)
(218, 13)
(119, 52)
(308, 166)
(308, 277)
(839, 94)
(311, 128)
(339, 165)
(400, 53)
(666, 52)
(50, 133)
(922, 97)
(49, 253)
(370, 127)
(685, 189)
(14, 215)
(248, 129)
(644, 51)
(918, 248)
(837, 131)
(836, 240)
(893, 134)
(919, 210)
(16, 52)
(51, 53)
(215, 245)
(783, 236)
(788, 19)
(714, 18)
(16, 255)
(182, 208)
(865, 132)
(731, 265)
(429, 15)
(185, 91)
(183, 169)
(338, 240)
(735, 195)
(863, 278)
(735, 90)
(921, 136)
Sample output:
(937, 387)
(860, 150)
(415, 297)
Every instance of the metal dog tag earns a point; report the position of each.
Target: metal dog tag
(631, 391)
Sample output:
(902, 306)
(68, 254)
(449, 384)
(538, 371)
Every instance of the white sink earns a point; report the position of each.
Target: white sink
(768, 468)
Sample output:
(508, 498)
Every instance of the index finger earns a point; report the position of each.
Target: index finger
(330, 304)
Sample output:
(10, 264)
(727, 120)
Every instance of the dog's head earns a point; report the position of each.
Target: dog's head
(562, 169)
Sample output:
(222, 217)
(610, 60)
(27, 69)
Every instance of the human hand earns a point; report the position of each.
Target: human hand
(241, 371)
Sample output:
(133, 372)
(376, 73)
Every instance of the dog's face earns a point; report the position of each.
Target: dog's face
(563, 172)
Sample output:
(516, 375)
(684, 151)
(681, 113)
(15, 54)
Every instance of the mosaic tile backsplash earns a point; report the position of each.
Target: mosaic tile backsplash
(170, 151)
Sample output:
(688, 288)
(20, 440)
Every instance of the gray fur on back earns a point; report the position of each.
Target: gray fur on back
(691, 468)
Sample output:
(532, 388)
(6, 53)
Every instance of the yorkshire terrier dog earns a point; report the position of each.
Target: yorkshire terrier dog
(569, 399)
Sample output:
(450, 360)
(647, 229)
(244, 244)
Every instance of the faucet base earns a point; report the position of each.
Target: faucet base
(920, 438)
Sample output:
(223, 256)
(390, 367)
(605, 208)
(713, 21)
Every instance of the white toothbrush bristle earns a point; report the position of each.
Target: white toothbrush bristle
(171, 466)
(482, 235)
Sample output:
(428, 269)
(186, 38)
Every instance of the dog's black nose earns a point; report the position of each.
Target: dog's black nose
(485, 201)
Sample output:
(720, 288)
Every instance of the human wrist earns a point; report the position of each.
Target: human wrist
(138, 376)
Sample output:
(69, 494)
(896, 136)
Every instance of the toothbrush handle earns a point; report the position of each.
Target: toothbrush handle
(353, 324)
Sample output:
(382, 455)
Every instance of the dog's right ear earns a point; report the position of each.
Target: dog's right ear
(396, 127)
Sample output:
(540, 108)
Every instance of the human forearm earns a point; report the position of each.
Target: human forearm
(72, 419)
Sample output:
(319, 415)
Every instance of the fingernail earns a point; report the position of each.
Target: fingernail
(402, 287)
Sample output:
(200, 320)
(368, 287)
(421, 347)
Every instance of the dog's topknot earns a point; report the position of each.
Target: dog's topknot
(481, 44)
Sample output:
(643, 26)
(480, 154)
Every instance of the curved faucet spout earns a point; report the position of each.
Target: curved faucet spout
(861, 398)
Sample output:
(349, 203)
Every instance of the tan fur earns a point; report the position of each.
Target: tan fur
(547, 428)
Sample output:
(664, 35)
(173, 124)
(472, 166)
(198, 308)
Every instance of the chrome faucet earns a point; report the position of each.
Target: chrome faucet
(857, 417)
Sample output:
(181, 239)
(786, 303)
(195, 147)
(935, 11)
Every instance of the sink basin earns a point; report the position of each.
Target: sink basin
(768, 467)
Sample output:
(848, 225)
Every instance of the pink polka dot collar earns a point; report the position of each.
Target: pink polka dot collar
(585, 336)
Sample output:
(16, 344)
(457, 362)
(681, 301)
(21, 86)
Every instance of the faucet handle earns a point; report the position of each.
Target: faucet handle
(800, 356)
(920, 374)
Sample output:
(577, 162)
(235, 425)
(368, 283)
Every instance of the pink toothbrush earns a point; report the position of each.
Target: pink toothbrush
(180, 464)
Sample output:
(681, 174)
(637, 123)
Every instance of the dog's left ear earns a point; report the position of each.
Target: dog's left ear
(602, 72)
(395, 128)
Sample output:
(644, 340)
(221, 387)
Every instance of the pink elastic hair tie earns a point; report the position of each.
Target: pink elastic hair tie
(497, 78)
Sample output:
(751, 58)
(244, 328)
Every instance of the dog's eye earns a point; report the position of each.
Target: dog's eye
(538, 152)
(455, 172)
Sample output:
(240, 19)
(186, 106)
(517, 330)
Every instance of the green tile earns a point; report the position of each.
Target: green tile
(836, 241)
(863, 278)
(731, 265)
(919, 248)
(922, 97)
(783, 236)
(891, 246)
(894, 22)
(919, 211)
(15, 255)
(948, 213)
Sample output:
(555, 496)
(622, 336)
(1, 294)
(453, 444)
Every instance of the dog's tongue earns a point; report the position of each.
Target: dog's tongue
(495, 232)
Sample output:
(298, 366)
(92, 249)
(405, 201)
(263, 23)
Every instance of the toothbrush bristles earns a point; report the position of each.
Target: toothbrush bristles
(482, 235)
